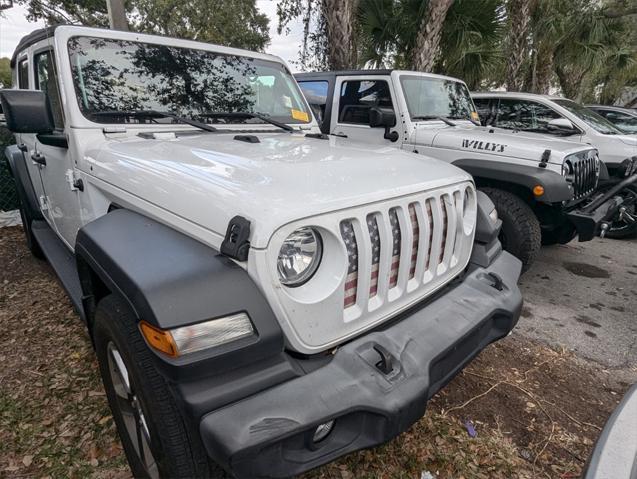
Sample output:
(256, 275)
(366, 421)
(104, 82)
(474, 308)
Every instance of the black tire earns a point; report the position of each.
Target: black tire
(520, 235)
(621, 229)
(175, 448)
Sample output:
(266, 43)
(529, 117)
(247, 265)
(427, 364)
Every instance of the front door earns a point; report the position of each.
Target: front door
(353, 98)
(62, 199)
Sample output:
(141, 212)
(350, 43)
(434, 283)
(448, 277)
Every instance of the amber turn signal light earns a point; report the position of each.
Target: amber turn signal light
(160, 340)
(538, 190)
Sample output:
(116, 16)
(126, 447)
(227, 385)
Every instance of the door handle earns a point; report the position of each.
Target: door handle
(39, 158)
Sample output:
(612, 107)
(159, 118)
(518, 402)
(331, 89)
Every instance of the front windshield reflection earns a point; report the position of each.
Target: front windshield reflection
(432, 97)
(122, 76)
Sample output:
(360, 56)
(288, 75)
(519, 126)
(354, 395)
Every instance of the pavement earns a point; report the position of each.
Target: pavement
(583, 297)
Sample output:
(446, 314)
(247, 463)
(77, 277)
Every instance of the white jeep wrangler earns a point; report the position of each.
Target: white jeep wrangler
(544, 189)
(260, 297)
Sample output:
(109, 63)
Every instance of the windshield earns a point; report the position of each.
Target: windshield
(432, 97)
(588, 116)
(122, 76)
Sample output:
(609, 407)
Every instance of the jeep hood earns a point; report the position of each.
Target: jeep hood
(208, 178)
(500, 142)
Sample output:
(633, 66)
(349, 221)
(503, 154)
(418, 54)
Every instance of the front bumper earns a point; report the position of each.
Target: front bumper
(270, 433)
(590, 219)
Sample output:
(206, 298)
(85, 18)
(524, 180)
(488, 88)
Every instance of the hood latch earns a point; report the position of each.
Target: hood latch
(236, 242)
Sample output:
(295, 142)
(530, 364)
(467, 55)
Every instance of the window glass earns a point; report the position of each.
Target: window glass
(113, 77)
(358, 96)
(625, 122)
(429, 97)
(23, 74)
(588, 116)
(46, 80)
(316, 95)
(525, 115)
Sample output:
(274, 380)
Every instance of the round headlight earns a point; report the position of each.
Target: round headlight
(299, 257)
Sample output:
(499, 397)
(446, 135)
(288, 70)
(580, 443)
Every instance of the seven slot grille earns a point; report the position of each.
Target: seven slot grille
(585, 174)
(384, 236)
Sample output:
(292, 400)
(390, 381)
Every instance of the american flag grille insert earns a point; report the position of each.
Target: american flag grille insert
(402, 248)
(372, 226)
(351, 281)
(415, 231)
(395, 254)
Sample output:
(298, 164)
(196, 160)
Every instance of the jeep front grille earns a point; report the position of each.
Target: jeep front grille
(583, 169)
(428, 231)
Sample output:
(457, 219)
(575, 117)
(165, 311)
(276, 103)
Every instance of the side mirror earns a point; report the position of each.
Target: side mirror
(383, 118)
(562, 126)
(28, 111)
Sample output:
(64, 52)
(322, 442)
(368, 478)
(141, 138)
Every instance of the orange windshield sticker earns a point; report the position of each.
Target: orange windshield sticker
(300, 115)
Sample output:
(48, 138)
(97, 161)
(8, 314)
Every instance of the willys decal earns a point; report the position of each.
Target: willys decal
(483, 145)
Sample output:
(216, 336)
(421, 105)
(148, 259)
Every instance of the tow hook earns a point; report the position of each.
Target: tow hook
(625, 215)
(496, 279)
(603, 229)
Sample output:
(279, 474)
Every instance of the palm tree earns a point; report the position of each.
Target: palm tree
(429, 33)
(518, 22)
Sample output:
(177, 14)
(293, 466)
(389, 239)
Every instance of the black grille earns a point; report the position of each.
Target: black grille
(583, 172)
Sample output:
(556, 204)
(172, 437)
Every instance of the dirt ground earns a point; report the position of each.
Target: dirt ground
(524, 408)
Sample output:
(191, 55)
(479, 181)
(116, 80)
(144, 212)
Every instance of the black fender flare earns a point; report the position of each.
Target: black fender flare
(555, 186)
(20, 172)
(170, 280)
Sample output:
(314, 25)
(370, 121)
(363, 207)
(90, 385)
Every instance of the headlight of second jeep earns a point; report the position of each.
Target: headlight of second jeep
(299, 256)
(567, 170)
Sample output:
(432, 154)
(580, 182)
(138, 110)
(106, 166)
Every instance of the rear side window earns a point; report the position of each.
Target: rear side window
(46, 80)
(23, 74)
(357, 97)
(316, 95)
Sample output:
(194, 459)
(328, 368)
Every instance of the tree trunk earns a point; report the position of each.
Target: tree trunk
(339, 21)
(429, 33)
(117, 14)
(518, 13)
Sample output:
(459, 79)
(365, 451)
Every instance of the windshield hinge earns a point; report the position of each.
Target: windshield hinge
(109, 130)
(236, 242)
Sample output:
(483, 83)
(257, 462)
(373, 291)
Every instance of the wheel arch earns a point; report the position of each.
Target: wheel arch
(518, 179)
(168, 279)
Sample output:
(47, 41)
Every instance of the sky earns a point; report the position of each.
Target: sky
(14, 26)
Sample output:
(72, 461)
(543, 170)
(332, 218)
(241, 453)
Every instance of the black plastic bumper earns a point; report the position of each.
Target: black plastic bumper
(270, 433)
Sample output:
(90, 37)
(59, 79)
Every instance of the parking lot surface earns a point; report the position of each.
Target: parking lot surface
(583, 296)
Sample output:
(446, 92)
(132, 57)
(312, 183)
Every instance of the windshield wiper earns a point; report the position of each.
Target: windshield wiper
(247, 114)
(156, 114)
(434, 117)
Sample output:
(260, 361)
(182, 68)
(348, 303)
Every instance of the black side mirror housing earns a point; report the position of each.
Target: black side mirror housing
(383, 118)
(26, 111)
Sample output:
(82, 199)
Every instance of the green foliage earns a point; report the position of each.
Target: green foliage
(5, 72)
(234, 23)
(86, 12)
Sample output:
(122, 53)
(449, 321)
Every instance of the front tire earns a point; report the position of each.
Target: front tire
(153, 431)
(521, 234)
